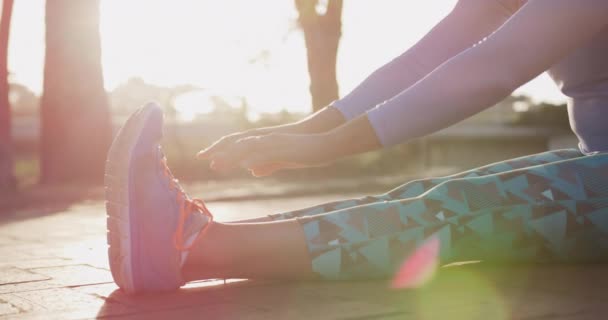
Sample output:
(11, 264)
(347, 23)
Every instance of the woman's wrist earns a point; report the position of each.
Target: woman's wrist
(356, 136)
(323, 120)
(289, 128)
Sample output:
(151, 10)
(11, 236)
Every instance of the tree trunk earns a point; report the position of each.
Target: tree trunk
(8, 183)
(322, 33)
(75, 118)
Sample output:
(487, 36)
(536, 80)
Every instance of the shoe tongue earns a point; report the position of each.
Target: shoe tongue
(193, 225)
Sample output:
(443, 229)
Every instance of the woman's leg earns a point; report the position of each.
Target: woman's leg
(553, 211)
(250, 250)
(417, 187)
(556, 211)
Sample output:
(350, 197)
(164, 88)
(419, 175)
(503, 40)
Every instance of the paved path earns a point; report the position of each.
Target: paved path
(53, 265)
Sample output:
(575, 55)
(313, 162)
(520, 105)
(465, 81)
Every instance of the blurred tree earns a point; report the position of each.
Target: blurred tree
(8, 183)
(321, 23)
(75, 117)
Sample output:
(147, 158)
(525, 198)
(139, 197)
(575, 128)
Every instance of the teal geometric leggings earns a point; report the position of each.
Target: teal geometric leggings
(551, 206)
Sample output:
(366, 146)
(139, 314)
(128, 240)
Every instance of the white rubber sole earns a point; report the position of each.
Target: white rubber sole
(117, 200)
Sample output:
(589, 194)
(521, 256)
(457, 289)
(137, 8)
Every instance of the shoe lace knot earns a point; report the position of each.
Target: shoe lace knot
(187, 207)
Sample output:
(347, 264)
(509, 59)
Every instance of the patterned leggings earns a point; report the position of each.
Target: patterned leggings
(551, 206)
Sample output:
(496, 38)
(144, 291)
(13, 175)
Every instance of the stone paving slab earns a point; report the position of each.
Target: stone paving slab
(38, 263)
(54, 266)
(11, 275)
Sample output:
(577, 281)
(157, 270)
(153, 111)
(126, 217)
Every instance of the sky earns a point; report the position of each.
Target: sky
(237, 47)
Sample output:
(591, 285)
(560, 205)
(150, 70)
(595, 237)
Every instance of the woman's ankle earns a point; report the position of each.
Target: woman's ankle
(210, 254)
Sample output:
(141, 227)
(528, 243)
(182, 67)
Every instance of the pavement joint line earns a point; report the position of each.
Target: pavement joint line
(52, 266)
(71, 265)
(27, 281)
(85, 285)
(45, 258)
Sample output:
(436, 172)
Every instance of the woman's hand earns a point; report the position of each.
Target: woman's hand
(266, 154)
(319, 122)
(220, 145)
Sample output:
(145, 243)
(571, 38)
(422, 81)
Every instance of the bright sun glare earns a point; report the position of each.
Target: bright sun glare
(211, 44)
(239, 48)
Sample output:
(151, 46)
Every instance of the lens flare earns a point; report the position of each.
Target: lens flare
(460, 293)
(419, 267)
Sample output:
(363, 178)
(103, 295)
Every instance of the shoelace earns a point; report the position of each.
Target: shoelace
(186, 207)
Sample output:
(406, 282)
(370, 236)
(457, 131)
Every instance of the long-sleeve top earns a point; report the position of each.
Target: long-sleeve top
(479, 54)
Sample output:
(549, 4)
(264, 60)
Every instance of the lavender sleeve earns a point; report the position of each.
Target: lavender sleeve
(467, 23)
(522, 48)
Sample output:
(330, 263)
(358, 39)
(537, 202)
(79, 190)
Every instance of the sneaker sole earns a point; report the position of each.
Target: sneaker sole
(119, 235)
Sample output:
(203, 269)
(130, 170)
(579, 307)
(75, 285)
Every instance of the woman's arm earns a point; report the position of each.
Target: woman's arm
(538, 36)
(467, 23)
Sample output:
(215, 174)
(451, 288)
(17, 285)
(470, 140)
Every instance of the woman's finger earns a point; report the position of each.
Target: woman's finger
(222, 144)
(235, 153)
(265, 169)
(215, 147)
(262, 173)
